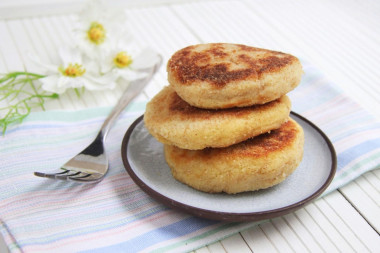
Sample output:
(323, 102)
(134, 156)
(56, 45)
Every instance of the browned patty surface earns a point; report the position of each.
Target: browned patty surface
(173, 121)
(256, 163)
(221, 75)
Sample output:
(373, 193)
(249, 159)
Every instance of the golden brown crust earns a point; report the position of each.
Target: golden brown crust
(259, 146)
(220, 75)
(257, 163)
(173, 121)
(220, 64)
(180, 108)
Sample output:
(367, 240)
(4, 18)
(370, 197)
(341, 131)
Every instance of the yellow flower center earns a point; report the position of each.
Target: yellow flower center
(122, 60)
(73, 70)
(96, 33)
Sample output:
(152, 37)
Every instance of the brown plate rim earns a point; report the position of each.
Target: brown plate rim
(227, 216)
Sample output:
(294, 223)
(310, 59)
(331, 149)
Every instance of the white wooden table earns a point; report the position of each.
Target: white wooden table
(341, 38)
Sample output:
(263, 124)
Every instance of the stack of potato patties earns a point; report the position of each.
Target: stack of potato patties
(224, 118)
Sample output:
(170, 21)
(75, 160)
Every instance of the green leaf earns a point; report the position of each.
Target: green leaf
(20, 95)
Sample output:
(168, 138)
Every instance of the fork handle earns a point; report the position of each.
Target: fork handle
(133, 89)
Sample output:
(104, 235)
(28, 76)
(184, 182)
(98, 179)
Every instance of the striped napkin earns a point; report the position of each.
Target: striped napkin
(40, 215)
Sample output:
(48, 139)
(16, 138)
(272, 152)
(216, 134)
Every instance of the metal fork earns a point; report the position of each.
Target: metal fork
(91, 165)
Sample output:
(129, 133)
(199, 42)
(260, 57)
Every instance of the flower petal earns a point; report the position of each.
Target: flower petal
(70, 55)
(91, 85)
(129, 75)
(50, 83)
(47, 67)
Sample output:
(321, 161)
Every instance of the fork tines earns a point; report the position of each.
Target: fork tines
(71, 175)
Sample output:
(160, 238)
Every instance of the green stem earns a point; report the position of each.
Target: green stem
(12, 86)
(35, 92)
(77, 92)
(18, 73)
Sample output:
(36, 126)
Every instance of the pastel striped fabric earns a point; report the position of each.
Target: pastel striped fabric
(40, 215)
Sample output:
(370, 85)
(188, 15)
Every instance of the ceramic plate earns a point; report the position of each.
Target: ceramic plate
(144, 160)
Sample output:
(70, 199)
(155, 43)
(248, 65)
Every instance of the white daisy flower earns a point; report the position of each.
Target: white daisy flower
(119, 59)
(124, 59)
(97, 24)
(73, 72)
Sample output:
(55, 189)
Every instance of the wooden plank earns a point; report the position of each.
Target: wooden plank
(365, 238)
(235, 243)
(279, 242)
(373, 179)
(377, 173)
(329, 228)
(10, 9)
(3, 34)
(23, 44)
(46, 39)
(257, 240)
(340, 225)
(319, 234)
(302, 232)
(289, 234)
(371, 186)
(321, 50)
(9, 51)
(35, 39)
(323, 32)
(202, 250)
(283, 34)
(3, 61)
(3, 68)
(369, 207)
(153, 25)
(216, 248)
